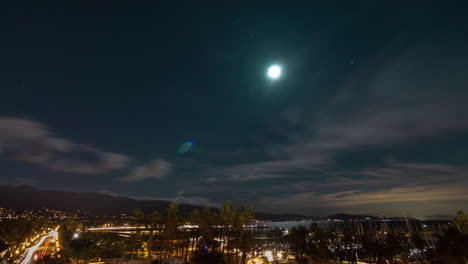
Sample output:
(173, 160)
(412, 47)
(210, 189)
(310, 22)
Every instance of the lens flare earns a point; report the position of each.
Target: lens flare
(185, 147)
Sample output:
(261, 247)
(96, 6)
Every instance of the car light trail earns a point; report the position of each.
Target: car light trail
(115, 228)
(34, 248)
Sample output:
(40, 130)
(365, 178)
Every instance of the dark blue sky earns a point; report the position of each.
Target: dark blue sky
(368, 117)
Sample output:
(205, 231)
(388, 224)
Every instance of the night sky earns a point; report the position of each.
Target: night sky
(171, 100)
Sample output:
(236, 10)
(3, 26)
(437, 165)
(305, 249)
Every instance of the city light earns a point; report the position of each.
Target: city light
(269, 255)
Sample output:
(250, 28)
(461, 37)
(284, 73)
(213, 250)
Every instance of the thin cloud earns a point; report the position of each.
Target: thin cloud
(420, 200)
(198, 201)
(102, 163)
(156, 169)
(33, 142)
(211, 180)
(398, 185)
(362, 197)
(395, 174)
(403, 100)
(272, 169)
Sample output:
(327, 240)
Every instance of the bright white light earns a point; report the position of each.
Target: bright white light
(274, 72)
(269, 255)
(75, 235)
(31, 250)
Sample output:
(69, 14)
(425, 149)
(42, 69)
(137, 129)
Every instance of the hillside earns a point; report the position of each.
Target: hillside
(29, 198)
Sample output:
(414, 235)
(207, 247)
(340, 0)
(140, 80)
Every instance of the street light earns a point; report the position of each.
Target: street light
(269, 255)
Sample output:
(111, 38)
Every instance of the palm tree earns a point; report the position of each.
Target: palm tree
(369, 247)
(14, 232)
(461, 221)
(245, 216)
(69, 226)
(204, 257)
(207, 222)
(393, 246)
(228, 217)
(419, 243)
(245, 242)
(452, 247)
(84, 248)
(133, 243)
(150, 221)
(53, 260)
(155, 222)
(317, 244)
(298, 242)
(174, 219)
(275, 236)
(195, 218)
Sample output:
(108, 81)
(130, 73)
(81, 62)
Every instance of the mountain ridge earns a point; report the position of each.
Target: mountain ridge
(25, 197)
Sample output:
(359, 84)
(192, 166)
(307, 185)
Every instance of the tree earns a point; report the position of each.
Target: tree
(174, 219)
(275, 236)
(228, 217)
(461, 221)
(370, 248)
(133, 243)
(245, 216)
(419, 243)
(298, 242)
(14, 232)
(150, 220)
(247, 241)
(317, 244)
(393, 246)
(67, 229)
(84, 248)
(206, 221)
(205, 257)
(452, 247)
(53, 260)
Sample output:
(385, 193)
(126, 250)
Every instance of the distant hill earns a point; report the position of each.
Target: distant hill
(26, 197)
(29, 198)
(439, 217)
(343, 216)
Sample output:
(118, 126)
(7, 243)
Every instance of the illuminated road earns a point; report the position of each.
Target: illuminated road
(40, 248)
(115, 228)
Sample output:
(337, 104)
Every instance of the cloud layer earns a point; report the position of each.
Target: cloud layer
(156, 169)
(349, 153)
(33, 142)
(390, 188)
(370, 114)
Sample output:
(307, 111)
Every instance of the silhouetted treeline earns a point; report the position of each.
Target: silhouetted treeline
(225, 236)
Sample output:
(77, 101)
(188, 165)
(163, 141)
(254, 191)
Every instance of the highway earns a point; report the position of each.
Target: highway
(41, 248)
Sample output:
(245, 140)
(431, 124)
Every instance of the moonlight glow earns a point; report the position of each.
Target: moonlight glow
(274, 72)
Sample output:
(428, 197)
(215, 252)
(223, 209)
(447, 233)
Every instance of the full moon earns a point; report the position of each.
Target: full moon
(274, 72)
